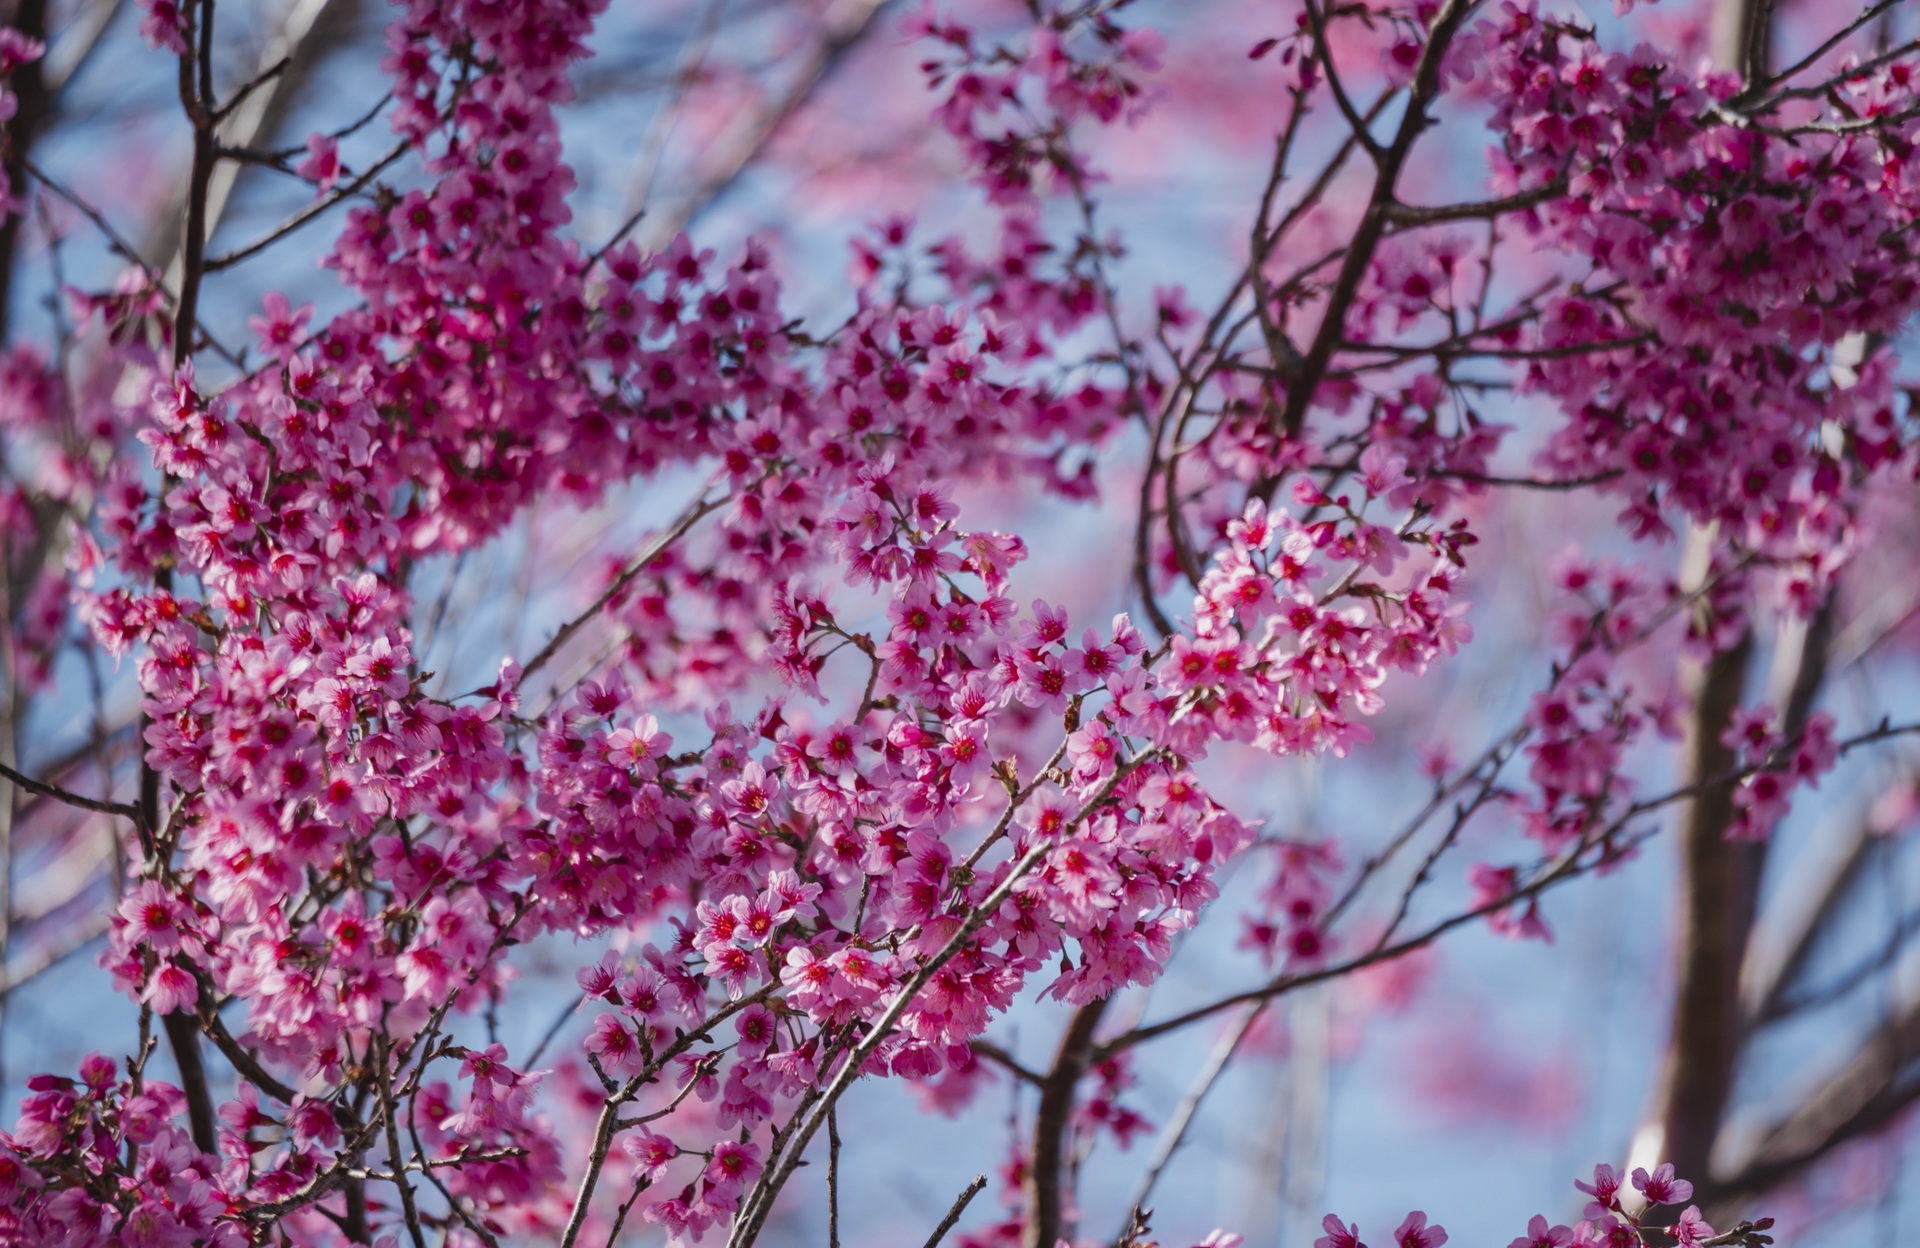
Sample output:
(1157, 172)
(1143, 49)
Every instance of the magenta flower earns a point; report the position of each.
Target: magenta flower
(1415, 1233)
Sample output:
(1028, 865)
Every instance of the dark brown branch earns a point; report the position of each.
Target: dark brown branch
(307, 29)
(1000, 1057)
(253, 84)
(1860, 1097)
(1812, 58)
(345, 191)
(32, 109)
(1410, 215)
(1743, 39)
(1374, 219)
(833, 1179)
(960, 1204)
(1529, 483)
(355, 1221)
(249, 1067)
(383, 1088)
(1047, 1158)
(185, 1040)
(1316, 22)
(126, 809)
(196, 97)
(1718, 883)
(1570, 865)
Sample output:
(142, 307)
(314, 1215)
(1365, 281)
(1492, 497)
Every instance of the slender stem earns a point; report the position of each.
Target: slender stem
(603, 1133)
(1316, 22)
(1177, 1126)
(383, 1088)
(345, 191)
(960, 1204)
(126, 809)
(654, 549)
(197, 100)
(833, 1178)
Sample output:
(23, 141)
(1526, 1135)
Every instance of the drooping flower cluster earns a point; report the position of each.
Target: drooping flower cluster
(1742, 251)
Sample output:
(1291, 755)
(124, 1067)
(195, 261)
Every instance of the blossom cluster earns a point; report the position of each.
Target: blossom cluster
(1740, 251)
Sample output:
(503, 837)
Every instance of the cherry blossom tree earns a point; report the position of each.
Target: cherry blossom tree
(819, 781)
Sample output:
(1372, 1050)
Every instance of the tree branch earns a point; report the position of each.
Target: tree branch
(1861, 1096)
(1047, 1157)
(847, 22)
(1177, 1126)
(1410, 215)
(126, 809)
(960, 1204)
(254, 113)
(32, 110)
(695, 511)
(1374, 219)
(1719, 880)
(1316, 22)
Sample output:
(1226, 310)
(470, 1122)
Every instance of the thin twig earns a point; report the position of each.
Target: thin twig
(654, 549)
(1374, 219)
(833, 1179)
(58, 794)
(1176, 1128)
(227, 260)
(960, 1204)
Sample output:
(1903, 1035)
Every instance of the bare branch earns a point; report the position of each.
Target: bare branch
(33, 106)
(1316, 22)
(254, 112)
(1047, 1156)
(1374, 219)
(1719, 881)
(76, 800)
(847, 23)
(1176, 1129)
(1000, 1057)
(1571, 864)
(695, 511)
(345, 191)
(1764, 82)
(1410, 215)
(1861, 1096)
(960, 1204)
